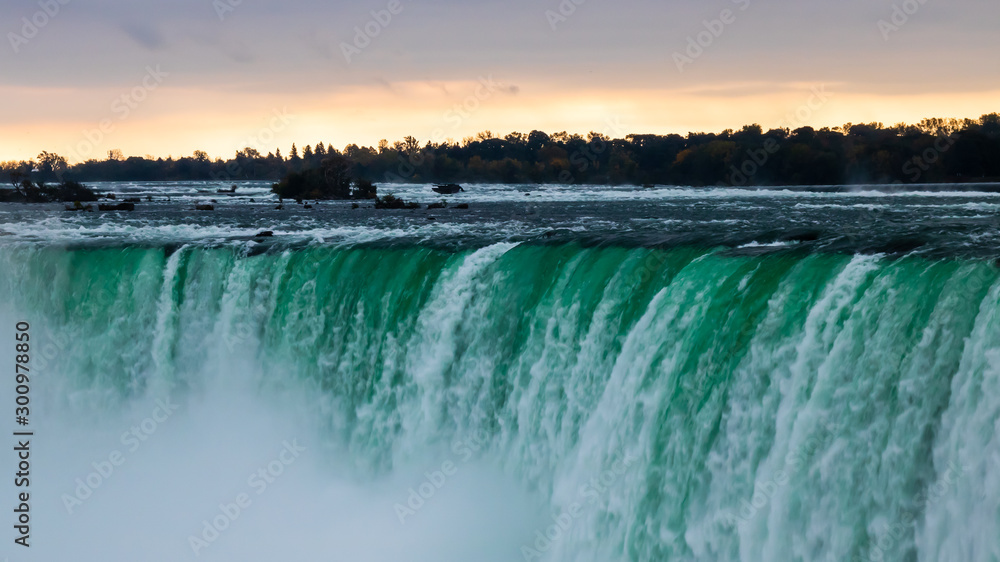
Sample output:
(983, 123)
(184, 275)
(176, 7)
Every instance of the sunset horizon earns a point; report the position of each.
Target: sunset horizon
(376, 71)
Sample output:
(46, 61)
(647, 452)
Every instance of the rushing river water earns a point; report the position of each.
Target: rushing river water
(578, 374)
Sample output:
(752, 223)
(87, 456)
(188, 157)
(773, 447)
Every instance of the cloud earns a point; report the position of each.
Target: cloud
(144, 34)
(615, 53)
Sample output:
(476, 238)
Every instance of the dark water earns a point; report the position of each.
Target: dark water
(933, 224)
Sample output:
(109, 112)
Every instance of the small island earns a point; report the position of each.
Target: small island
(27, 191)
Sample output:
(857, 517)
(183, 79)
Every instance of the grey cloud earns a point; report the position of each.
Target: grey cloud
(144, 34)
(602, 44)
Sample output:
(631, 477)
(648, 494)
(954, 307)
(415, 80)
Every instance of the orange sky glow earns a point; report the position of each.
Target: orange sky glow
(162, 126)
(165, 80)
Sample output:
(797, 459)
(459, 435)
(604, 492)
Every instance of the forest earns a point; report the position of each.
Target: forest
(932, 151)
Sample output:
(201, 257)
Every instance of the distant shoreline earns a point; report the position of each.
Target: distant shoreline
(935, 151)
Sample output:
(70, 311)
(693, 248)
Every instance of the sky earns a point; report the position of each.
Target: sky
(82, 77)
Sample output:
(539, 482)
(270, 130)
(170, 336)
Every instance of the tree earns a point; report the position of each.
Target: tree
(15, 173)
(860, 151)
(364, 189)
(410, 145)
(51, 165)
(750, 132)
(536, 140)
(990, 124)
(352, 151)
(115, 155)
(331, 181)
(516, 138)
(337, 172)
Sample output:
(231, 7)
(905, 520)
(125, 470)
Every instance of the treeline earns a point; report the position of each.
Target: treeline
(932, 151)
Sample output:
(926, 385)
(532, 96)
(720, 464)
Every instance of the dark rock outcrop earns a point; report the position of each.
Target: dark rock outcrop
(118, 207)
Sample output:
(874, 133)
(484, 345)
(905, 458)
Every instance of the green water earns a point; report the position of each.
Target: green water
(790, 406)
